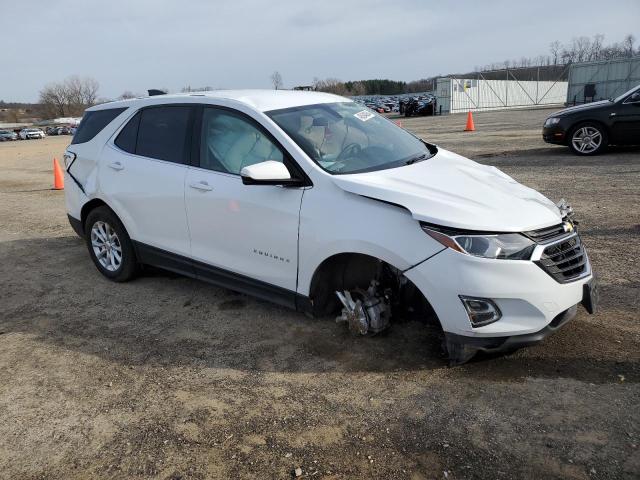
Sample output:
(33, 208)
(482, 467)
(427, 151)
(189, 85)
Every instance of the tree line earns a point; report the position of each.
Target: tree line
(70, 97)
(580, 49)
(544, 67)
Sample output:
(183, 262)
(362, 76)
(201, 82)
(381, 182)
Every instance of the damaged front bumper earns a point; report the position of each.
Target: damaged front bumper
(461, 348)
(532, 303)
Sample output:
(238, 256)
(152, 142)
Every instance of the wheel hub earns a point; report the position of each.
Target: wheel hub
(587, 139)
(106, 246)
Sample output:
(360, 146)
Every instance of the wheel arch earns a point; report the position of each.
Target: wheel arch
(95, 203)
(348, 270)
(88, 207)
(340, 268)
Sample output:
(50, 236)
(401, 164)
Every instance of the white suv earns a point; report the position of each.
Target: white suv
(31, 133)
(312, 201)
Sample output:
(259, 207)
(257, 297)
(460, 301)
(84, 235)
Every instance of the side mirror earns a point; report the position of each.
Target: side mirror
(634, 98)
(269, 172)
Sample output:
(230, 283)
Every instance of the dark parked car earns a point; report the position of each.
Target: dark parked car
(588, 129)
(6, 135)
(418, 106)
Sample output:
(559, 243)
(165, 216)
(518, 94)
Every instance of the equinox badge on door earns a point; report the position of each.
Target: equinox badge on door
(270, 255)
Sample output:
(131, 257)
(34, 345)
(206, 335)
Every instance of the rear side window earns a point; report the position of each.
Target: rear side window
(162, 133)
(93, 122)
(128, 135)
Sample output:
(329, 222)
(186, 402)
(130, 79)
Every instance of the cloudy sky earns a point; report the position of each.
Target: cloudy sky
(136, 45)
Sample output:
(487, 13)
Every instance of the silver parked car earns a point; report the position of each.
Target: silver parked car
(7, 135)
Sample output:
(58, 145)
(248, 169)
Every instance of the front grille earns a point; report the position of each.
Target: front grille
(546, 234)
(565, 260)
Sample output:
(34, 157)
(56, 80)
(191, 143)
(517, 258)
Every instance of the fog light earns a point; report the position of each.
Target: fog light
(481, 311)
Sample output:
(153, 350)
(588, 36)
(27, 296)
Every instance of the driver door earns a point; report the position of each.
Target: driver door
(241, 235)
(626, 121)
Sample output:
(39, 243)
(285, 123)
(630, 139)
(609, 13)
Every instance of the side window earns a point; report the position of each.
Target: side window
(231, 142)
(633, 98)
(162, 133)
(93, 122)
(126, 139)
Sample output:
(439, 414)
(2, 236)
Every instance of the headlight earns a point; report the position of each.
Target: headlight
(511, 246)
(551, 121)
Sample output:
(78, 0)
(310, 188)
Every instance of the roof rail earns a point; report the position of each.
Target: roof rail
(154, 91)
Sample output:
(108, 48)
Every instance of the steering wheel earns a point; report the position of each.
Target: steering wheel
(351, 150)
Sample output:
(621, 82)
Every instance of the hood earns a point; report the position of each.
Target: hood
(584, 106)
(453, 191)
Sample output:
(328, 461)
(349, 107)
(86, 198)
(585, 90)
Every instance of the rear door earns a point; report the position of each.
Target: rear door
(142, 176)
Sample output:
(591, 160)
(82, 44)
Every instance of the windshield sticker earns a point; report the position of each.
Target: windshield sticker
(364, 115)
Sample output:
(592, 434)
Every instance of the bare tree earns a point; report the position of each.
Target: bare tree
(358, 88)
(582, 46)
(70, 97)
(81, 93)
(90, 91)
(596, 47)
(276, 79)
(53, 100)
(12, 116)
(189, 89)
(554, 48)
(127, 95)
(627, 44)
(330, 85)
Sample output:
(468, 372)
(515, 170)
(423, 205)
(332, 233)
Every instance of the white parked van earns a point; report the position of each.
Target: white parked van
(315, 202)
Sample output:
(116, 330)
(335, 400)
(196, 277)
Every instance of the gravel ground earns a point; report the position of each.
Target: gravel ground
(167, 377)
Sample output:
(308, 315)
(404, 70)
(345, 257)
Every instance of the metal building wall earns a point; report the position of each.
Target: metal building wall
(610, 78)
(443, 94)
(478, 94)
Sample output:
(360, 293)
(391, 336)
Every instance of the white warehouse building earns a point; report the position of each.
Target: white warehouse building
(455, 95)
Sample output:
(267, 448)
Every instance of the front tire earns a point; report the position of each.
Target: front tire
(109, 245)
(588, 139)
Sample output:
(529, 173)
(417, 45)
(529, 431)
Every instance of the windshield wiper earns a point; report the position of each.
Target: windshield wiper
(416, 159)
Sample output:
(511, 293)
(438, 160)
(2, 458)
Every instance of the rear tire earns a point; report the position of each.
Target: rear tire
(588, 138)
(109, 245)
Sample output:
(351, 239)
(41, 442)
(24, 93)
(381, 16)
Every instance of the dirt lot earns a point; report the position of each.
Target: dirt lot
(168, 377)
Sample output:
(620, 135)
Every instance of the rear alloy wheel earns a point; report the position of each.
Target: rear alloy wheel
(106, 246)
(109, 245)
(588, 139)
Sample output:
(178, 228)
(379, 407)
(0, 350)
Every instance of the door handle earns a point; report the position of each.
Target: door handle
(204, 186)
(116, 166)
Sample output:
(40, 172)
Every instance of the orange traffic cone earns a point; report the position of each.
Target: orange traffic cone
(470, 126)
(58, 176)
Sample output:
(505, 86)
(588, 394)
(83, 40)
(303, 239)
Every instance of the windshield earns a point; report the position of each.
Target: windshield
(348, 138)
(624, 95)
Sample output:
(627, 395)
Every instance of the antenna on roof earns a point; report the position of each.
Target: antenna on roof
(154, 91)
